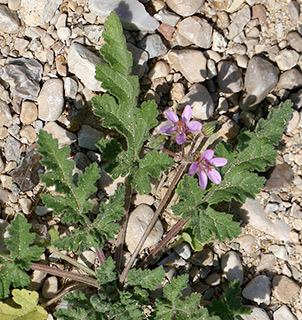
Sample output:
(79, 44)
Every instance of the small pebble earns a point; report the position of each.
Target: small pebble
(50, 287)
(231, 266)
(258, 290)
(284, 288)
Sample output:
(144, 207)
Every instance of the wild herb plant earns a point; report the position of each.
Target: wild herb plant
(122, 292)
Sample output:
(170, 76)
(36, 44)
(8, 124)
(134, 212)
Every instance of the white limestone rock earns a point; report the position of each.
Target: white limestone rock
(9, 22)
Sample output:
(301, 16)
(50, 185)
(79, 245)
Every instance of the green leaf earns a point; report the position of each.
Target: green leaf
(171, 306)
(106, 273)
(147, 279)
(72, 203)
(105, 226)
(118, 109)
(230, 307)
(28, 307)
(189, 237)
(22, 253)
(151, 165)
(205, 221)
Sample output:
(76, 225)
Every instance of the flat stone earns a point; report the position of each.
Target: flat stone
(203, 258)
(167, 17)
(258, 290)
(259, 12)
(294, 9)
(160, 70)
(132, 13)
(137, 224)
(283, 313)
(50, 287)
(87, 258)
(284, 288)
(70, 87)
(191, 63)
(29, 112)
(290, 79)
(256, 314)
(185, 7)
(293, 122)
(213, 279)
(24, 76)
(260, 79)
(29, 133)
(231, 266)
(166, 31)
(183, 250)
(38, 13)
(219, 42)
(12, 149)
(88, 136)
(82, 62)
(36, 280)
(240, 19)
(65, 138)
(140, 58)
(294, 40)
(279, 251)
(9, 22)
(229, 77)
(287, 59)
(154, 45)
(143, 198)
(5, 113)
(174, 259)
(197, 31)
(247, 243)
(252, 213)
(267, 262)
(281, 176)
(25, 205)
(51, 100)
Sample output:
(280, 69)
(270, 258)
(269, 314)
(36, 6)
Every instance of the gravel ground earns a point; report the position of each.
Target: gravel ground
(231, 60)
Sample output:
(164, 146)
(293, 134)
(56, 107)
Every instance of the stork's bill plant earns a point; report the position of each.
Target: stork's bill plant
(205, 178)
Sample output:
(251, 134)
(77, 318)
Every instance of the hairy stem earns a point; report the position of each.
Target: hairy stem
(72, 261)
(100, 255)
(171, 234)
(124, 221)
(65, 274)
(153, 221)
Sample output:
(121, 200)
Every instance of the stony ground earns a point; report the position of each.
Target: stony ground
(229, 59)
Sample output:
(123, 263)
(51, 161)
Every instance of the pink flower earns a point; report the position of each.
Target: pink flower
(204, 166)
(181, 127)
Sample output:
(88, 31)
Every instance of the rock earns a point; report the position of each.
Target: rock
(3, 234)
(87, 258)
(191, 63)
(279, 251)
(154, 45)
(197, 31)
(174, 259)
(283, 313)
(185, 7)
(281, 176)
(252, 213)
(23, 76)
(166, 31)
(287, 59)
(9, 22)
(29, 133)
(247, 243)
(160, 70)
(260, 79)
(294, 9)
(200, 100)
(140, 58)
(183, 250)
(51, 100)
(38, 13)
(257, 314)
(143, 198)
(231, 266)
(131, 13)
(219, 42)
(50, 287)
(240, 19)
(203, 258)
(65, 138)
(5, 114)
(284, 288)
(258, 290)
(293, 122)
(213, 279)
(167, 17)
(88, 136)
(229, 77)
(259, 12)
(137, 224)
(82, 62)
(36, 280)
(221, 4)
(294, 40)
(12, 149)
(25, 204)
(70, 87)
(107, 184)
(29, 112)
(290, 79)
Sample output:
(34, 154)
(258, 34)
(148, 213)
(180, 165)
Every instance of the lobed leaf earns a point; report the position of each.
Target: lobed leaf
(147, 279)
(28, 307)
(106, 273)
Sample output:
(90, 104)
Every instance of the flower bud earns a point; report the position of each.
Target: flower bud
(211, 127)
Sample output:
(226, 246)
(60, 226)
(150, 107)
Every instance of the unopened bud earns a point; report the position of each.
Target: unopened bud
(157, 141)
(211, 127)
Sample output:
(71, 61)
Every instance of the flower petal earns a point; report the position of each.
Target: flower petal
(186, 114)
(193, 168)
(167, 129)
(214, 176)
(194, 126)
(203, 180)
(181, 138)
(208, 154)
(172, 117)
(218, 162)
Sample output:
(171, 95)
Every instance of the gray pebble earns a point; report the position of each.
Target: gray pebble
(258, 290)
(154, 45)
(231, 266)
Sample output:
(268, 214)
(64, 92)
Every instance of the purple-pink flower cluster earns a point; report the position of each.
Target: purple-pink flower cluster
(181, 127)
